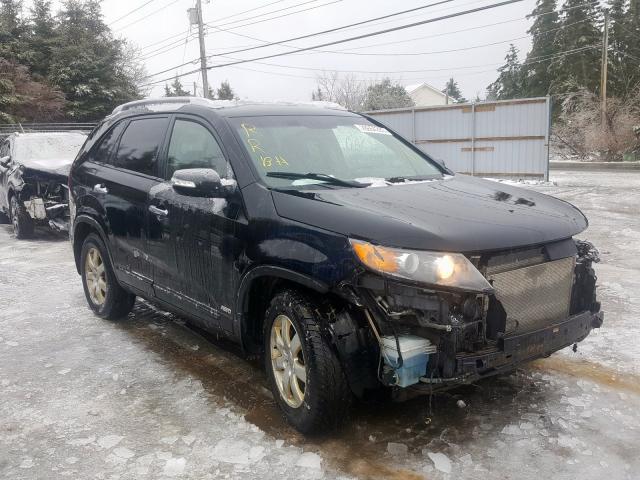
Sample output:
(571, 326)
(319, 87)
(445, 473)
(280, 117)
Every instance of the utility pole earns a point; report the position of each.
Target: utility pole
(603, 68)
(203, 57)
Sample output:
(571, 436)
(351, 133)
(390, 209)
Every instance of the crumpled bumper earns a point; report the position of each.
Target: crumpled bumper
(514, 350)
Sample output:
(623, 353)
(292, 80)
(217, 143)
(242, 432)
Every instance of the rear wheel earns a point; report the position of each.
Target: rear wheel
(22, 223)
(104, 294)
(304, 372)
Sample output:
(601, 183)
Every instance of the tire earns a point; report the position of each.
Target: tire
(22, 223)
(104, 294)
(326, 399)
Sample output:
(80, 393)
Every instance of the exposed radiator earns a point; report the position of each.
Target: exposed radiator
(534, 296)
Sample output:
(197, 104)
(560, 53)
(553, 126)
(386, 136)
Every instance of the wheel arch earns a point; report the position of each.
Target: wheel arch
(254, 294)
(348, 332)
(83, 226)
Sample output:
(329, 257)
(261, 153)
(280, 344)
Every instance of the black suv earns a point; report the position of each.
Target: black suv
(330, 245)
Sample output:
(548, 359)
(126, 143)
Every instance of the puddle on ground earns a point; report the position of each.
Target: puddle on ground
(590, 371)
(360, 449)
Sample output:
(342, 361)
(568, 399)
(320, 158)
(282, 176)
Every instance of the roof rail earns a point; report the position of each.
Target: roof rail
(170, 103)
(165, 103)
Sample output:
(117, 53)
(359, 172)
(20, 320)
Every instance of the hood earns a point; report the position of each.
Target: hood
(456, 214)
(56, 166)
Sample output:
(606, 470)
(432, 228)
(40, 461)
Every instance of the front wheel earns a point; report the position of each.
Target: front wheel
(305, 375)
(22, 223)
(104, 294)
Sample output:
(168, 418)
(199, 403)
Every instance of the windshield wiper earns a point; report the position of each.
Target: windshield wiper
(412, 178)
(317, 176)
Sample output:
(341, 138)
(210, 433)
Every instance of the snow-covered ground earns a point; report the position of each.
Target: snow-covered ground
(151, 398)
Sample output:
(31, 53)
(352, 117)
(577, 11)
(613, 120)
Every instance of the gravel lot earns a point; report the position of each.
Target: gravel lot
(152, 398)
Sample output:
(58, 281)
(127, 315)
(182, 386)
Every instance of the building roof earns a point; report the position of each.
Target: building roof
(412, 88)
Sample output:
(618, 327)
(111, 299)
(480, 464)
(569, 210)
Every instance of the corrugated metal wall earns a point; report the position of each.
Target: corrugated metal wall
(505, 138)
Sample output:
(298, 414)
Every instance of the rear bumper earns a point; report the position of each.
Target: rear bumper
(514, 350)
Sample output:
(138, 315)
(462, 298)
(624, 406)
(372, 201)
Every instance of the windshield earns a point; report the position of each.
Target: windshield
(348, 148)
(49, 148)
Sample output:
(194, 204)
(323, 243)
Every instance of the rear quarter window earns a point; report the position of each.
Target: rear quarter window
(106, 146)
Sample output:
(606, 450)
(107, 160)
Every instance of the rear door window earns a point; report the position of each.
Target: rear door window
(140, 145)
(193, 146)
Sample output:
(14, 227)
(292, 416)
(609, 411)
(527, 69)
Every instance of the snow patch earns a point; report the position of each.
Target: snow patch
(109, 441)
(309, 460)
(174, 467)
(440, 461)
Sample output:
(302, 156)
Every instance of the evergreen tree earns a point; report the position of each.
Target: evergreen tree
(632, 49)
(91, 67)
(384, 95)
(317, 95)
(510, 82)
(617, 69)
(12, 31)
(42, 31)
(176, 89)
(452, 90)
(543, 32)
(225, 92)
(578, 30)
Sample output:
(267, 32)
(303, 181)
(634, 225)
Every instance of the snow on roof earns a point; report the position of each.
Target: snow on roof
(413, 87)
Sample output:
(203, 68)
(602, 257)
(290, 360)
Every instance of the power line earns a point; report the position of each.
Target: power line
(358, 37)
(314, 34)
(130, 12)
(335, 29)
(147, 16)
(211, 24)
(419, 38)
(172, 46)
(274, 11)
(529, 61)
(534, 60)
(251, 10)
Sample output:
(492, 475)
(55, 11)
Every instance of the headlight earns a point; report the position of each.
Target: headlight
(433, 268)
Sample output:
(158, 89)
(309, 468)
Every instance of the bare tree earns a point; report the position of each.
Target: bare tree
(580, 127)
(347, 90)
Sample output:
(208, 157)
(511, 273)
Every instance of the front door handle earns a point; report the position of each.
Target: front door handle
(158, 211)
(100, 188)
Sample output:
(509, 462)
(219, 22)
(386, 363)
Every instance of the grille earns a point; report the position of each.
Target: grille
(534, 296)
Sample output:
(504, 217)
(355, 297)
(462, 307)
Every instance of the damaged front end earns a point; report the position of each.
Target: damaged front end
(477, 317)
(44, 196)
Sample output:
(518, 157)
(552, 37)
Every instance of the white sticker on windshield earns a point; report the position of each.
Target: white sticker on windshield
(372, 129)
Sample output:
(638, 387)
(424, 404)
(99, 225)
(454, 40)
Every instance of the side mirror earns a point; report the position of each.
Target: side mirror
(198, 182)
(4, 161)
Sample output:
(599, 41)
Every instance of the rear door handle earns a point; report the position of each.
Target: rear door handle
(158, 211)
(100, 188)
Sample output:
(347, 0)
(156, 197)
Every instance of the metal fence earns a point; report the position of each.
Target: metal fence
(9, 128)
(507, 138)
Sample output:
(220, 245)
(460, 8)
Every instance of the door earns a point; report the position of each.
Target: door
(120, 182)
(192, 241)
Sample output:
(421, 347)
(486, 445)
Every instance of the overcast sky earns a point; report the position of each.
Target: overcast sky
(294, 76)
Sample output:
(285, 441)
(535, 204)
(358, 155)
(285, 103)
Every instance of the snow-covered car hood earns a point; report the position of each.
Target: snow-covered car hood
(58, 166)
(48, 152)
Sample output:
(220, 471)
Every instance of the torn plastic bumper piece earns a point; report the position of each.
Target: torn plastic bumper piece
(514, 350)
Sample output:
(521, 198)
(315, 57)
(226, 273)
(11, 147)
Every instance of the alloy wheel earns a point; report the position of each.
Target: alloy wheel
(95, 276)
(287, 361)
